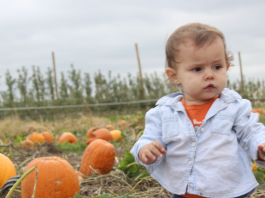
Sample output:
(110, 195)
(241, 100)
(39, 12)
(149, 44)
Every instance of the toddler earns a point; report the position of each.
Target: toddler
(192, 142)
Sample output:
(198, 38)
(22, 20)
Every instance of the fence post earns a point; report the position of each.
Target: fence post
(241, 74)
(140, 71)
(55, 79)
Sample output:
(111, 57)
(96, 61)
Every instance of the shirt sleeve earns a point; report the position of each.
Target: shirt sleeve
(250, 132)
(152, 132)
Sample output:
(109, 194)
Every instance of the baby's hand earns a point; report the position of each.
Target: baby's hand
(261, 152)
(151, 151)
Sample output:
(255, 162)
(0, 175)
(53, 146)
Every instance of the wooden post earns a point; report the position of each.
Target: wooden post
(140, 70)
(241, 73)
(55, 79)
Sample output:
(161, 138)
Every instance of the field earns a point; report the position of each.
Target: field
(130, 181)
(115, 184)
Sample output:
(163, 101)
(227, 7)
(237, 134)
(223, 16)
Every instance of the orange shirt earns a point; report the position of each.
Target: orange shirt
(196, 114)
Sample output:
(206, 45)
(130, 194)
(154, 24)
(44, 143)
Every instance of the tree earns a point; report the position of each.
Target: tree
(9, 95)
(22, 84)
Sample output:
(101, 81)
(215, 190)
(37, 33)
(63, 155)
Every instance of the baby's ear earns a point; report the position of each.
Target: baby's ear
(172, 75)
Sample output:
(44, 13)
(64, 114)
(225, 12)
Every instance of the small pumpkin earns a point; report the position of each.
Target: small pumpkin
(27, 143)
(7, 169)
(123, 123)
(56, 178)
(36, 138)
(253, 167)
(256, 110)
(90, 131)
(116, 134)
(100, 155)
(47, 137)
(101, 133)
(68, 138)
(110, 127)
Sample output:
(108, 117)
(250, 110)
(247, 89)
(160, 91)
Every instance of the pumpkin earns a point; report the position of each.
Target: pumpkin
(68, 138)
(27, 143)
(36, 138)
(7, 169)
(100, 155)
(56, 178)
(47, 137)
(256, 110)
(110, 127)
(101, 133)
(253, 167)
(116, 134)
(122, 123)
(90, 131)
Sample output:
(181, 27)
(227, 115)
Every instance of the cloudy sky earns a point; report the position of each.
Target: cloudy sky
(101, 35)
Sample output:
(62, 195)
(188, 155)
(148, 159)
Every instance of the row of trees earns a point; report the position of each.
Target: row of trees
(76, 88)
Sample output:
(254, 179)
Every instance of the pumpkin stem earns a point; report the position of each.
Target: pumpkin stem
(19, 181)
(90, 132)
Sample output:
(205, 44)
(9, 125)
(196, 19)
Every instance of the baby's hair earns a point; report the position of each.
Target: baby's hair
(200, 33)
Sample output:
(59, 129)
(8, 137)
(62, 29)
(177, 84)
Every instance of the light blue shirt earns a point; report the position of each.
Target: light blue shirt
(211, 162)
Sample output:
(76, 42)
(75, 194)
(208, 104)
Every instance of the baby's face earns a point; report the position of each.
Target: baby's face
(201, 71)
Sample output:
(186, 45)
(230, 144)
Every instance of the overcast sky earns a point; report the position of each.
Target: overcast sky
(101, 35)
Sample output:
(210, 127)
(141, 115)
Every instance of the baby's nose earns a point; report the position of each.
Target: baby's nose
(209, 75)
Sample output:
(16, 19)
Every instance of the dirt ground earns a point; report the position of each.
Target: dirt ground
(115, 183)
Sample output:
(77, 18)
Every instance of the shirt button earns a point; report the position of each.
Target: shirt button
(202, 129)
(193, 144)
(190, 162)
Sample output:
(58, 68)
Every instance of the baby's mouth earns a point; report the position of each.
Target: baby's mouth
(210, 86)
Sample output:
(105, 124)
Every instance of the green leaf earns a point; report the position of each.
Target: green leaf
(259, 177)
(133, 169)
(106, 195)
(261, 187)
(77, 195)
(76, 147)
(130, 168)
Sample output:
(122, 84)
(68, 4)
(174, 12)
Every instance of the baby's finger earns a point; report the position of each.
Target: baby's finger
(150, 157)
(160, 147)
(261, 147)
(156, 152)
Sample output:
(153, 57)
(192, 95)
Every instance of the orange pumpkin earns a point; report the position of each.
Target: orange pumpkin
(100, 155)
(7, 169)
(36, 138)
(256, 110)
(56, 178)
(116, 134)
(110, 127)
(68, 138)
(253, 168)
(123, 123)
(90, 131)
(101, 133)
(47, 137)
(27, 143)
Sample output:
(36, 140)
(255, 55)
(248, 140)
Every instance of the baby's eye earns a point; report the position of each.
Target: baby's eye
(197, 69)
(217, 67)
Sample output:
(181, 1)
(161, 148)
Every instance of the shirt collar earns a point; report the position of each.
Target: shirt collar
(173, 100)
